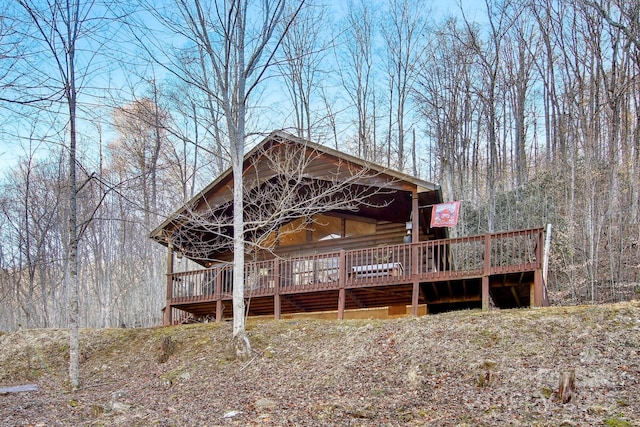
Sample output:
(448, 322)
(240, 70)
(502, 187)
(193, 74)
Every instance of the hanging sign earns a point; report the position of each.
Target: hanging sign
(445, 214)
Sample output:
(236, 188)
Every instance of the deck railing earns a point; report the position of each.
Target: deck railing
(445, 259)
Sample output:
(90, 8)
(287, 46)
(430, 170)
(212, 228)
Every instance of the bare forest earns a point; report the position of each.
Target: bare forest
(113, 116)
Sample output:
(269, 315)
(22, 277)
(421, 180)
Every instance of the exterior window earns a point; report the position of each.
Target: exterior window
(326, 228)
(358, 228)
(293, 233)
(323, 227)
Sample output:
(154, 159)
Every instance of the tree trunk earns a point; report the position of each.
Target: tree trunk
(243, 348)
(74, 345)
(236, 103)
(566, 386)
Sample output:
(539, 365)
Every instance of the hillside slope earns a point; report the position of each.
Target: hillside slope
(456, 369)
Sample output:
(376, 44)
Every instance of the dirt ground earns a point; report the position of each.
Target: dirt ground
(467, 368)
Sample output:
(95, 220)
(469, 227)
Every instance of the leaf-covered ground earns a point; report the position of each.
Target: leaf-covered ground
(456, 369)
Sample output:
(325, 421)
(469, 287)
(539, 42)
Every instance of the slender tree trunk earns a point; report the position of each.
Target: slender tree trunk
(390, 124)
(243, 347)
(414, 154)
(236, 120)
(74, 344)
(400, 124)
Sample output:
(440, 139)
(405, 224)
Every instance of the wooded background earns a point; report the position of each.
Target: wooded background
(526, 112)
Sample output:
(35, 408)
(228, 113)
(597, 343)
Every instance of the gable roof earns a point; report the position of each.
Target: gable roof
(326, 163)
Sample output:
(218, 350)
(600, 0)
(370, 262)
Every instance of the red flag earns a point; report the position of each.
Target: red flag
(445, 214)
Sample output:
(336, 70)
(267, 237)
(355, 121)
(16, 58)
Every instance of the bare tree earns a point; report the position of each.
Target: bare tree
(520, 55)
(404, 34)
(139, 157)
(141, 140)
(357, 72)
(303, 50)
(57, 29)
(444, 95)
(30, 208)
(203, 119)
(489, 57)
(621, 14)
(233, 44)
(546, 64)
(193, 129)
(9, 51)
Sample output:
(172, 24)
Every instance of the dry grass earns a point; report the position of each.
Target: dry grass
(454, 369)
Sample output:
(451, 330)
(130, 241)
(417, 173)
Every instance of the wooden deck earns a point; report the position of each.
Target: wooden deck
(445, 275)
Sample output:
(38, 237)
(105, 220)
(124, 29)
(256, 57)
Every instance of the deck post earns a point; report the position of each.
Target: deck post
(342, 279)
(415, 238)
(415, 248)
(415, 218)
(536, 301)
(415, 295)
(540, 274)
(341, 302)
(486, 272)
(168, 310)
(218, 294)
(485, 293)
(276, 289)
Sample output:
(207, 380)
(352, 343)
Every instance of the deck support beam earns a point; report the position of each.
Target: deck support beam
(342, 282)
(415, 218)
(354, 298)
(486, 271)
(219, 305)
(435, 290)
(415, 238)
(537, 286)
(485, 293)
(341, 301)
(168, 310)
(219, 310)
(450, 300)
(277, 303)
(515, 296)
(295, 305)
(277, 307)
(415, 295)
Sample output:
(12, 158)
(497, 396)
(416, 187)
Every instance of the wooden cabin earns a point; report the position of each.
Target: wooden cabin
(375, 251)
